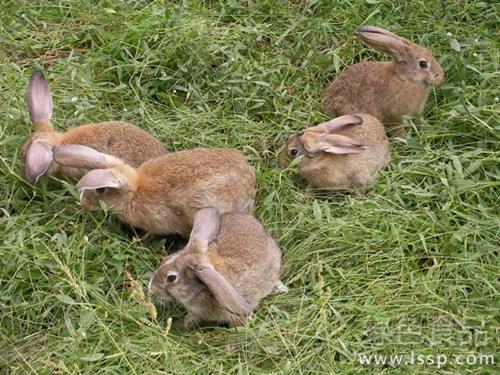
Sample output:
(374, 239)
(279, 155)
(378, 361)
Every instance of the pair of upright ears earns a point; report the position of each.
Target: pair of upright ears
(321, 138)
(386, 42)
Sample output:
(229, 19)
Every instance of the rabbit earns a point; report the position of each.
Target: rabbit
(345, 153)
(386, 90)
(121, 139)
(162, 195)
(228, 266)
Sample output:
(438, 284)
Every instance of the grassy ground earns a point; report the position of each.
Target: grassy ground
(410, 267)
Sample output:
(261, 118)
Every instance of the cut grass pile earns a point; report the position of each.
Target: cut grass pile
(412, 267)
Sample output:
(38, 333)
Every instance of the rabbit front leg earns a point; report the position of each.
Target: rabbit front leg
(307, 193)
(147, 238)
(359, 182)
(238, 321)
(279, 288)
(397, 129)
(191, 321)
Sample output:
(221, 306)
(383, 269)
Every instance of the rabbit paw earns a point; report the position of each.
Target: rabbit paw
(399, 131)
(238, 321)
(279, 288)
(190, 321)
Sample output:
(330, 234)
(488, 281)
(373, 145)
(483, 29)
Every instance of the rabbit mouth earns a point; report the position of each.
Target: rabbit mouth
(284, 160)
(436, 80)
(88, 201)
(162, 297)
(160, 293)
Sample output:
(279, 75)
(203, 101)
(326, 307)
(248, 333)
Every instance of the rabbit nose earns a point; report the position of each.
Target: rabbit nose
(438, 77)
(153, 287)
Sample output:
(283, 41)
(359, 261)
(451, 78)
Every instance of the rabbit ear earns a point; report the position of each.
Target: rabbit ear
(385, 41)
(100, 178)
(39, 102)
(205, 228)
(223, 291)
(38, 160)
(337, 123)
(376, 29)
(83, 157)
(331, 143)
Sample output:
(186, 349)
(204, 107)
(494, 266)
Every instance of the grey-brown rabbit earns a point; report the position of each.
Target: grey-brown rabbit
(386, 90)
(117, 138)
(345, 153)
(228, 266)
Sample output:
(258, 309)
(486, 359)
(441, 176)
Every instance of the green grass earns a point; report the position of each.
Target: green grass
(411, 266)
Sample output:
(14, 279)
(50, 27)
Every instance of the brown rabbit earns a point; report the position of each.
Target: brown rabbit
(121, 139)
(386, 90)
(345, 153)
(163, 194)
(228, 266)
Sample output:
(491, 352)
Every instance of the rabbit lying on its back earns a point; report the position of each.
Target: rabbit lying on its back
(117, 138)
(386, 90)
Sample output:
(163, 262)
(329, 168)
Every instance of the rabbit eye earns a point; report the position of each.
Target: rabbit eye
(294, 152)
(422, 64)
(171, 278)
(100, 190)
